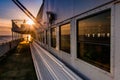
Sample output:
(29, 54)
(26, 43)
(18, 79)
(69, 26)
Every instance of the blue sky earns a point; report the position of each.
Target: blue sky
(8, 8)
(8, 11)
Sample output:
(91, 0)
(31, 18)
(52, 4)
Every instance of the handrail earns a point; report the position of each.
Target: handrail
(55, 67)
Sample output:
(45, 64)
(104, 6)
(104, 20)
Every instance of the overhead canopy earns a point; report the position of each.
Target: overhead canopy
(20, 26)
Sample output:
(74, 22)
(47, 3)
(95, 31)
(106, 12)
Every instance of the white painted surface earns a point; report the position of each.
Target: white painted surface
(70, 8)
(65, 9)
(55, 70)
(117, 42)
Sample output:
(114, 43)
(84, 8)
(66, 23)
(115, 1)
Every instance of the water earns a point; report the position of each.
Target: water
(5, 38)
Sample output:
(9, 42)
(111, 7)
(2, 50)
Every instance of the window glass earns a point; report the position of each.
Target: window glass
(65, 37)
(93, 43)
(53, 37)
(43, 37)
(47, 36)
(39, 37)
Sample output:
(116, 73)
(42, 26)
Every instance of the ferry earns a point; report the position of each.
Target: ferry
(82, 34)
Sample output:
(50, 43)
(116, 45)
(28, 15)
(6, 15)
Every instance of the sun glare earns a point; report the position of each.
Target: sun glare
(29, 37)
(30, 22)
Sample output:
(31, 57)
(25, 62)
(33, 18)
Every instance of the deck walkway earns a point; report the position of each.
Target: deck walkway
(18, 64)
(49, 67)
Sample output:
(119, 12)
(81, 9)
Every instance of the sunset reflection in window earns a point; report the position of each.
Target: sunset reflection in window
(93, 43)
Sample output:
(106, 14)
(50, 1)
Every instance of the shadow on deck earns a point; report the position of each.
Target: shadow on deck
(18, 64)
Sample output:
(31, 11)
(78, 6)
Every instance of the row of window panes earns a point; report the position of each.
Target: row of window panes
(64, 37)
(93, 39)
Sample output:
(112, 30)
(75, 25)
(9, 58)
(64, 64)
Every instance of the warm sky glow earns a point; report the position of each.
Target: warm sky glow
(5, 27)
(9, 11)
(5, 23)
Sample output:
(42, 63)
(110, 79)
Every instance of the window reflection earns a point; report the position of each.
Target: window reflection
(65, 37)
(94, 40)
(53, 37)
(47, 36)
(43, 37)
(40, 37)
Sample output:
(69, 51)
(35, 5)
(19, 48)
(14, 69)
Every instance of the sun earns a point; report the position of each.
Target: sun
(30, 22)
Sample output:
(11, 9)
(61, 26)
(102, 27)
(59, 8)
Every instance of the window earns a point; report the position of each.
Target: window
(93, 42)
(47, 37)
(43, 37)
(65, 37)
(39, 37)
(53, 37)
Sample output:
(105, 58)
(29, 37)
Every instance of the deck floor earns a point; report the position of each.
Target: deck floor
(18, 64)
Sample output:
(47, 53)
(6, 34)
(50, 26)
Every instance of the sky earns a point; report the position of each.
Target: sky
(9, 11)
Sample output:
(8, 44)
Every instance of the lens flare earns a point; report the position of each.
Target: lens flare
(30, 22)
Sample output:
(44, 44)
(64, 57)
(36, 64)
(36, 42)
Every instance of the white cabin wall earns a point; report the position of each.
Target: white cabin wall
(65, 9)
(117, 42)
(45, 8)
(81, 6)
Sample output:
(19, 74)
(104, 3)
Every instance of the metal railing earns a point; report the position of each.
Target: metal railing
(48, 67)
(7, 46)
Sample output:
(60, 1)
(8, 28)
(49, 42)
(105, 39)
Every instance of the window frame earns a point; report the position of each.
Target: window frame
(60, 37)
(51, 36)
(87, 17)
(47, 36)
